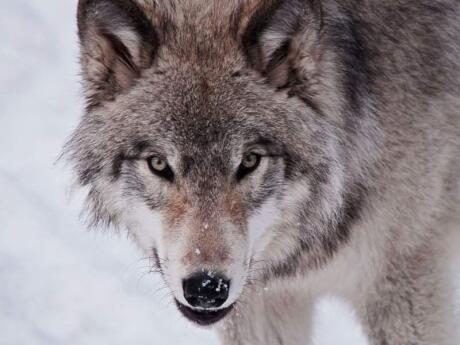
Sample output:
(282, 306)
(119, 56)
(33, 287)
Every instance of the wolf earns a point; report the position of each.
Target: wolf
(264, 153)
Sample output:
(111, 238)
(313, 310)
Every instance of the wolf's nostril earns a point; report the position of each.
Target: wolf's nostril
(206, 290)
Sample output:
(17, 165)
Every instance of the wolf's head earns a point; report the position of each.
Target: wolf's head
(203, 136)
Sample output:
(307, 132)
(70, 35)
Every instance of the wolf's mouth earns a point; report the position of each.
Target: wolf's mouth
(203, 317)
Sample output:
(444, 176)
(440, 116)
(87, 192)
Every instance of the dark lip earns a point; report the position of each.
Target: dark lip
(203, 317)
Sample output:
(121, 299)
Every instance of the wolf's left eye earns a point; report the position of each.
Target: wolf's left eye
(161, 168)
(250, 163)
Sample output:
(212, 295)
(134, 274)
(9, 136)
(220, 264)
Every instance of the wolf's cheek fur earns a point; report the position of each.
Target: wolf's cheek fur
(259, 225)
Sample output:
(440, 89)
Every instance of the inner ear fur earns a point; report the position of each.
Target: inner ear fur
(278, 35)
(117, 42)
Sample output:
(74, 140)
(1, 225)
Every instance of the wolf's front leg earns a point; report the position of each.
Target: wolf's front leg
(411, 304)
(275, 315)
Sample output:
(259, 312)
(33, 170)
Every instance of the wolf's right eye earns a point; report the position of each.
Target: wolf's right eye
(161, 168)
(250, 163)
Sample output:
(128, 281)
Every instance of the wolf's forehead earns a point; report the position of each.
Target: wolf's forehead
(184, 120)
(195, 112)
(193, 105)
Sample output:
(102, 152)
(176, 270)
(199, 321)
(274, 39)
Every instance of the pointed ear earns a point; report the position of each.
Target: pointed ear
(117, 42)
(277, 34)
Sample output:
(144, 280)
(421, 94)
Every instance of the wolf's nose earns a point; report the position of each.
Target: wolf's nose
(206, 290)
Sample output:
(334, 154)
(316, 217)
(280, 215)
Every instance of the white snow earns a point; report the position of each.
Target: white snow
(60, 284)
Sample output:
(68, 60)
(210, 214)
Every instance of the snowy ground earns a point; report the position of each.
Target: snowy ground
(60, 284)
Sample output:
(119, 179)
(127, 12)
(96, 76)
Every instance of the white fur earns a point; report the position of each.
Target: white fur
(259, 224)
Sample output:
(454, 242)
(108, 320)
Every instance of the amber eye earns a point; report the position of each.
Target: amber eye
(158, 164)
(160, 167)
(250, 163)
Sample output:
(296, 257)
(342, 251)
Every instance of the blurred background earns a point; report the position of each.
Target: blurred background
(59, 283)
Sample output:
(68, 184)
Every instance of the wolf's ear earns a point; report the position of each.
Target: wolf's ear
(277, 34)
(117, 42)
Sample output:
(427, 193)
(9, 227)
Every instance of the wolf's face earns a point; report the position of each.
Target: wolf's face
(194, 141)
(203, 178)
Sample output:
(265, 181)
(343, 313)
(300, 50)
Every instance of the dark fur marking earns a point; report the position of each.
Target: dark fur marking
(187, 163)
(140, 146)
(352, 208)
(266, 190)
(348, 40)
(236, 74)
(156, 264)
(151, 203)
(133, 153)
(291, 162)
(117, 165)
(87, 174)
(278, 56)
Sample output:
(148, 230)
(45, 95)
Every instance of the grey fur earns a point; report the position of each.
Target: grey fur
(355, 105)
